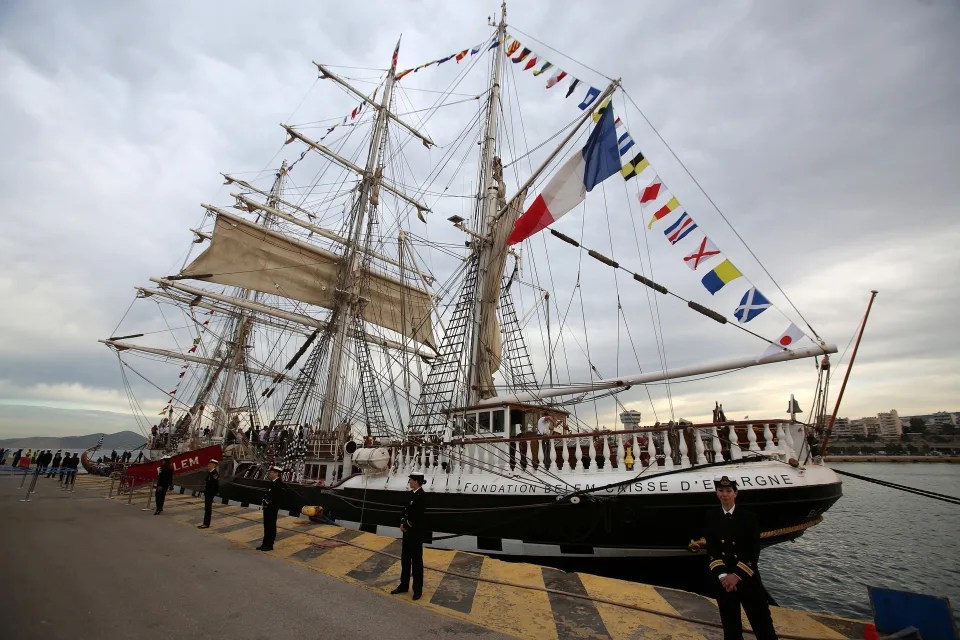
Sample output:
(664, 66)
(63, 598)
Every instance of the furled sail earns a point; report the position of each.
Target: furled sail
(490, 353)
(247, 255)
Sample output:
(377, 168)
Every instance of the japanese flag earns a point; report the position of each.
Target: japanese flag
(787, 340)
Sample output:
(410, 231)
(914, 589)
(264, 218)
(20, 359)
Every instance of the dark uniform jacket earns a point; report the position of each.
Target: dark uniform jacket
(733, 543)
(211, 486)
(414, 518)
(165, 478)
(274, 495)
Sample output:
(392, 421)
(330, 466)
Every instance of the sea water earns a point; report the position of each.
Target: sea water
(873, 536)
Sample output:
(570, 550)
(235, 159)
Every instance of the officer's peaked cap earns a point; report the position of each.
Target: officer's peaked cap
(418, 477)
(725, 482)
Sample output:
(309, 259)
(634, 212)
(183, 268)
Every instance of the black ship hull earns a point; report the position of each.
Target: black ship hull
(608, 523)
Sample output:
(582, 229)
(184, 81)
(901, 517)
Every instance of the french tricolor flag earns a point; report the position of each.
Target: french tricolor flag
(598, 160)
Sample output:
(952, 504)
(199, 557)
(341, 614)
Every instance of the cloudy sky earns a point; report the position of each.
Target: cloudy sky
(829, 134)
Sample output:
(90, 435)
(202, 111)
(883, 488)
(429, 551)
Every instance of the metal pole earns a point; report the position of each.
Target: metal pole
(149, 496)
(33, 483)
(846, 376)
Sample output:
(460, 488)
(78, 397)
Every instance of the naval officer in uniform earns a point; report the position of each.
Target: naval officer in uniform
(211, 488)
(271, 508)
(413, 525)
(733, 544)
(164, 483)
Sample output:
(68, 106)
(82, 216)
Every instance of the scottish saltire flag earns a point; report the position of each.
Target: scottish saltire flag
(752, 304)
(568, 187)
(634, 167)
(664, 211)
(680, 229)
(720, 275)
(704, 251)
(787, 340)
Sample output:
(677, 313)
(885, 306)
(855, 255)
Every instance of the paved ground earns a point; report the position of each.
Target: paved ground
(81, 566)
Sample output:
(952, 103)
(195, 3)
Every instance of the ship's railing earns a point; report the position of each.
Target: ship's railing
(666, 446)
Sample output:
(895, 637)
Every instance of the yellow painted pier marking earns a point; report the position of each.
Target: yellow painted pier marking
(513, 598)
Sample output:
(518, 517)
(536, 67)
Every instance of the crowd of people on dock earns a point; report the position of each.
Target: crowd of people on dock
(62, 464)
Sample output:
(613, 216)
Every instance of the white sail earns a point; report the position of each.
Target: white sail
(490, 353)
(246, 255)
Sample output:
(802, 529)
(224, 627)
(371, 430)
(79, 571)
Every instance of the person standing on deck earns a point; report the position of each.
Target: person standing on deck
(413, 525)
(211, 488)
(164, 483)
(733, 544)
(271, 509)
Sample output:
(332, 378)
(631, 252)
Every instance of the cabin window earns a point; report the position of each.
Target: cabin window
(484, 422)
(470, 428)
(498, 423)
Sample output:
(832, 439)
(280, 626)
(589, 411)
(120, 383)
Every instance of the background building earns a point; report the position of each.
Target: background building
(890, 427)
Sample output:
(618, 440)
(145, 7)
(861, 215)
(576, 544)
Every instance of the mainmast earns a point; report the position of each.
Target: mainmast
(348, 293)
(489, 209)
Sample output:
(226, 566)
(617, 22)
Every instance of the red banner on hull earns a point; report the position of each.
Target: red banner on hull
(146, 472)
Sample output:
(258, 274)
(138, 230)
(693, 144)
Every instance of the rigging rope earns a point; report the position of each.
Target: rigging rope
(942, 497)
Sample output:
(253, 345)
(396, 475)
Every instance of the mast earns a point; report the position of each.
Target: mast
(243, 324)
(488, 212)
(846, 376)
(342, 317)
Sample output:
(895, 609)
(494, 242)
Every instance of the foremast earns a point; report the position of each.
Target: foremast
(241, 336)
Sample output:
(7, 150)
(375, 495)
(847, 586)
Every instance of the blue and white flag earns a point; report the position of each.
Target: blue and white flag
(680, 229)
(752, 304)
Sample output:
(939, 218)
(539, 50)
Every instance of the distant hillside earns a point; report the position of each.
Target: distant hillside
(119, 441)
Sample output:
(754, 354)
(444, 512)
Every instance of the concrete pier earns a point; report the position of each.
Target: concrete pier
(82, 566)
(101, 567)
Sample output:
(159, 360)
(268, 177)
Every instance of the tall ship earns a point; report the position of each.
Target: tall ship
(455, 276)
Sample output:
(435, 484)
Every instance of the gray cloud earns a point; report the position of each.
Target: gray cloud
(827, 133)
